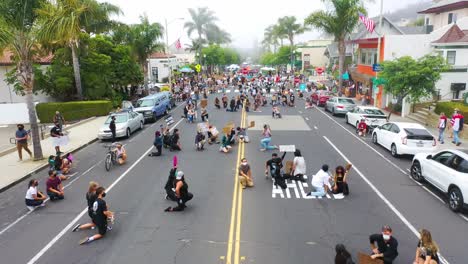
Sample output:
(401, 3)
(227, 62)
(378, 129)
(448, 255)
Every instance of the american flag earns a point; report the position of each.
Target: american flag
(369, 23)
(178, 45)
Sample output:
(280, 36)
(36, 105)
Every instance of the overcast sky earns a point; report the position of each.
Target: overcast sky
(245, 20)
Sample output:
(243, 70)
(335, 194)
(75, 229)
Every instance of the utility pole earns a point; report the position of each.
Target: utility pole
(167, 51)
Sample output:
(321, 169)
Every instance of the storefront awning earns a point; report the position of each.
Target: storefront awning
(361, 77)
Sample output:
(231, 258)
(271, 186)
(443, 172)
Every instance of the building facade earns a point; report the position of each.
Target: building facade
(313, 54)
(444, 12)
(160, 65)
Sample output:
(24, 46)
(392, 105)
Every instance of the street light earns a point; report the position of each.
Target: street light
(167, 48)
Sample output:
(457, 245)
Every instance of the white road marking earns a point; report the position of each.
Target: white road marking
(315, 127)
(408, 170)
(307, 118)
(384, 199)
(433, 194)
(365, 143)
(464, 217)
(300, 112)
(78, 217)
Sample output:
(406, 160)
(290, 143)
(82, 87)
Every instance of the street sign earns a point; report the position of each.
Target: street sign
(377, 67)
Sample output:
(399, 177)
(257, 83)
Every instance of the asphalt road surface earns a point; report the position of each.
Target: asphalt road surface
(224, 224)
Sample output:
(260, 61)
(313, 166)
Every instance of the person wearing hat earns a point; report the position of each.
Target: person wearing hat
(58, 118)
(182, 193)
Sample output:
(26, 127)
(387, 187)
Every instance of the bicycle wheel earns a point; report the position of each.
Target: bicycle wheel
(108, 161)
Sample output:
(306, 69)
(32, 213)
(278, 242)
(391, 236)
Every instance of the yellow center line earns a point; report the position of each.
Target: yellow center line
(234, 200)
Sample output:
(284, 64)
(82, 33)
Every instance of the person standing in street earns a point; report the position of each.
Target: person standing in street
(100, 214)
(112, 128)
(182, 193)
(245, 174)
(384, 246)
(321, 182)
(54, 187)
(442, 125)
(58, 118)
(34, 197)
(426, 252)
(56, 133)
(458, 122)
(21, 136)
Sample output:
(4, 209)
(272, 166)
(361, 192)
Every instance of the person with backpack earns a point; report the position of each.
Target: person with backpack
(274, 166)
(342, 255)
(181, 192)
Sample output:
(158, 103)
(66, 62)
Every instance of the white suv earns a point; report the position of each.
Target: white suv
(447, 170)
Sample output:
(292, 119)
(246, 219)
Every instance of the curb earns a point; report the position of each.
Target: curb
(13, 149)
(37, 170)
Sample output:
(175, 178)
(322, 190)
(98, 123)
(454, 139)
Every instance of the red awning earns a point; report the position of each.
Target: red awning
(365, 41)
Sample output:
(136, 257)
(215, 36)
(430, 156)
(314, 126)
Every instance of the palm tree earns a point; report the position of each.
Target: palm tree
(339, 21)
(65, 20)
(196, 45)
(270, 38)
(202, 20)
(288, 27)
(18, 25)
(215, 35)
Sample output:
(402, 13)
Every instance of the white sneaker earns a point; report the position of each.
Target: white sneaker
(31, 208)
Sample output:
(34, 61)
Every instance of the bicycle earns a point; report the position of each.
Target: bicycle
(111, 157)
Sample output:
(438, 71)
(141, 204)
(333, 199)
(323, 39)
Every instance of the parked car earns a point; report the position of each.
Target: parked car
(126, 122)
(320, 97)
(373, 116)
(339, 105)
(404, 138)
(155, 105)
(447, 170)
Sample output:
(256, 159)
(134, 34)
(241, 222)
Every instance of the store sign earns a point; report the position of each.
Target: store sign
(377, 68)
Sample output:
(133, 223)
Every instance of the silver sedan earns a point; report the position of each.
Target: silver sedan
(339, 105)
(126, 122)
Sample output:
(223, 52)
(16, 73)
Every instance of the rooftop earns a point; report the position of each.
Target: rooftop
(453, 35)
(7, 59)
(445, 6)
(161, 55)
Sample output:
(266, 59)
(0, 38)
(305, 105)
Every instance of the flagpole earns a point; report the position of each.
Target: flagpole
(378, 49)
(167, 51)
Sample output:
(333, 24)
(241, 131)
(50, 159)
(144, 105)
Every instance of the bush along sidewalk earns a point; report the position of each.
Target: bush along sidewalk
(448, 107)
(73, 110)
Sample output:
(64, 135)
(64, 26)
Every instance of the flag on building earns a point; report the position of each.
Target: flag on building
(369, 23)
(178, 45)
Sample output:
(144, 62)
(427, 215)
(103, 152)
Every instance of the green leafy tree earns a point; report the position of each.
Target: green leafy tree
(231, 56)
(63, 21)
(18, 35)
(414, 79)
(339, 21)
(270, 38)
(268, 58)
(283, 55)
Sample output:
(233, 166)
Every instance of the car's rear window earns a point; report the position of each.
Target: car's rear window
(417, 133)
(373, 112)
(345, 101)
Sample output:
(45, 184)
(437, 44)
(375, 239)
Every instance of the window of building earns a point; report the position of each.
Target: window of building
(368, 56)
(451, 56)
(427, 23)
(452, 18)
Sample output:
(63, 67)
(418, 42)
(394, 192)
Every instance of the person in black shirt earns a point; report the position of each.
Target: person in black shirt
(232, 105)
(90, 199)
(175, 144)
(56, 131)
(342, 255)
(112, 128)
(182, 193)
(170, 185)
(100, 215)
(274, 165)
(426, 252)
(384, 246)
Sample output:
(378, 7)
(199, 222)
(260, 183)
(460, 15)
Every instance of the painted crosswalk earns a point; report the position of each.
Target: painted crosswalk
(297, 190)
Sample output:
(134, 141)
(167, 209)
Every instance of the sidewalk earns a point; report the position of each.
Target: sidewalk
(434, 131)
(14, 171)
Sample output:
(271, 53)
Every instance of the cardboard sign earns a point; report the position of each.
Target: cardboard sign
(252, 124)
(203, 127)
(287, 148)
(226, 130)
(204, 102)
(288, 167)
(366, 259)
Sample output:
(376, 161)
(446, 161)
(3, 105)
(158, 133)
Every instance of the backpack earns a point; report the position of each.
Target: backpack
(349, 260)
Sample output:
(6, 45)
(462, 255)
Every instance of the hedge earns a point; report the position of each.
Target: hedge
(73, 110)
(448, 107)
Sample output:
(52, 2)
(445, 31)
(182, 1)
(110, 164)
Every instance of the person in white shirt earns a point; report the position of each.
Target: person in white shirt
(320, 181)
(299, 166)
(33, 196)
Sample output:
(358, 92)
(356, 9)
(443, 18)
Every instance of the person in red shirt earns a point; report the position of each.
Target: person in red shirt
(362, 128)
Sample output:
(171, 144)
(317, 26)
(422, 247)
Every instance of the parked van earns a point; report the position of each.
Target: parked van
(155, 105)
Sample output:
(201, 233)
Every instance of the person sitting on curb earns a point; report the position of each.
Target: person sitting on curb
(245, 174)
(54, 187)
(34, 198)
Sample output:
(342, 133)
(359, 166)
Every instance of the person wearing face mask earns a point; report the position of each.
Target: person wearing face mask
(245, 174)
(100, 214)
(182, 193)
(21, 136)
(384, 246)
(34, 197)
(90, 199)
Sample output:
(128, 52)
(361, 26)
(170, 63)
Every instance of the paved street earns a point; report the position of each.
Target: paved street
(224, 224)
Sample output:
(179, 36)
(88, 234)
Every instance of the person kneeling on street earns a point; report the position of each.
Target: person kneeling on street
(101, 215)
(299, 167)
(387, 246)
(245, 174)
(200, 140)
(242, 135)
(54, 187)
(321, 182)
(213, 135)
(175, 141)
(158, 144)
(182, 193)
(170, 185)
(34, 197)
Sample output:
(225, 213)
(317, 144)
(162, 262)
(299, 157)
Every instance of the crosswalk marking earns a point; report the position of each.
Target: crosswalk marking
(298, 191)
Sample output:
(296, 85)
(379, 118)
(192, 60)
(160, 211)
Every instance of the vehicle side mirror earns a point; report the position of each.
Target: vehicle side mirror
(429, 157)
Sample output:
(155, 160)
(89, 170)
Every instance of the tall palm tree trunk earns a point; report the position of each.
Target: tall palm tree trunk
(27, 79)
(76, 71)
(341, 60)
(291, 40)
